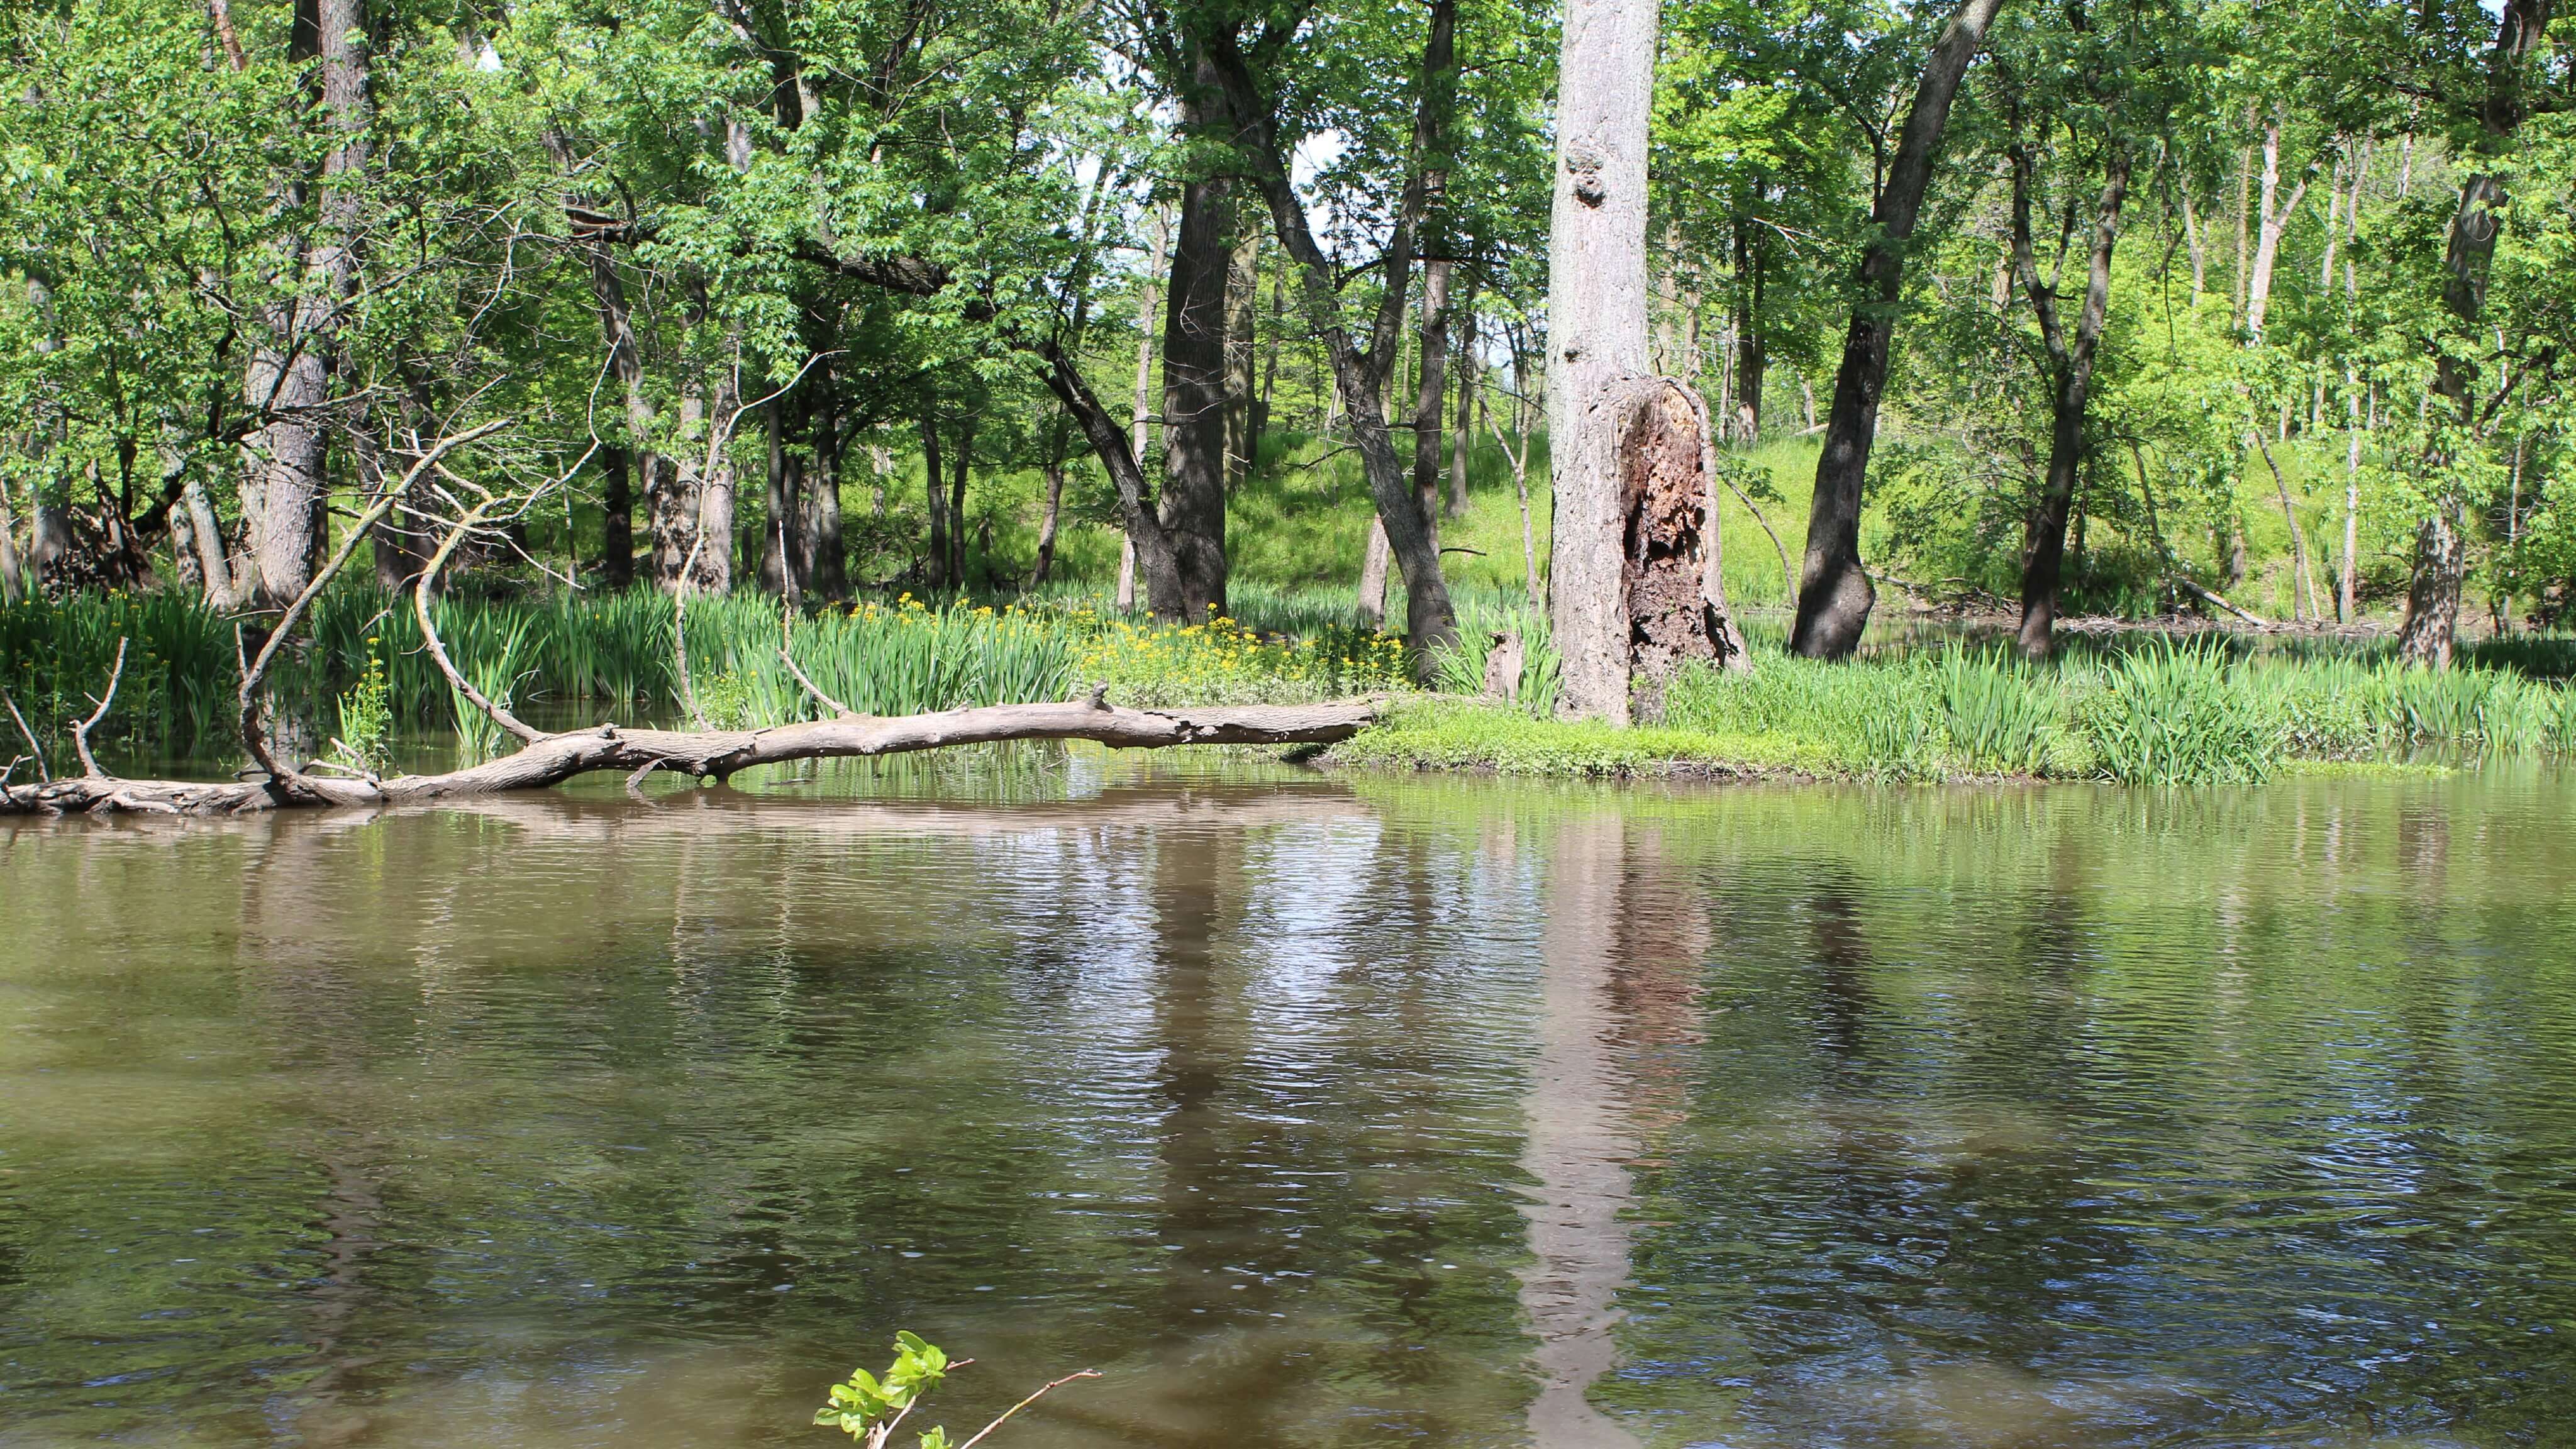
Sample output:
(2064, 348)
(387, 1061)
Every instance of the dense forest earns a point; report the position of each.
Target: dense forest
(2104, 305)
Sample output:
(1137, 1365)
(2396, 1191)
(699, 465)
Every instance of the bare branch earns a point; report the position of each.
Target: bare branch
(816, 690)
(80, 732)
(438, 649)
(553, 759)
(247, 696)
(27, 734)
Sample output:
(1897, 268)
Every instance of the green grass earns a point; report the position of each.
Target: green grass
(2154, 713)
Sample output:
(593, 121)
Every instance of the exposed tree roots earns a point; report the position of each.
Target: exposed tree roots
(549, 760)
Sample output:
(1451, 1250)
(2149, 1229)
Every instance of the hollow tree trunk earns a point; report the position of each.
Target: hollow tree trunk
(1834, 591)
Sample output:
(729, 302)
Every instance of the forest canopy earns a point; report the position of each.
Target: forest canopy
(840, 297)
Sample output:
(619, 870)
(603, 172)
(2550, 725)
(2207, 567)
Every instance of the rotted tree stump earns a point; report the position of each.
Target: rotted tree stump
(1672, 594)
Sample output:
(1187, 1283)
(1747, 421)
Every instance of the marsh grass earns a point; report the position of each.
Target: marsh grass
(2148, 711)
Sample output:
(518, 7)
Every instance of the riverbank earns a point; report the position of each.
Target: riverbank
(2146, 707)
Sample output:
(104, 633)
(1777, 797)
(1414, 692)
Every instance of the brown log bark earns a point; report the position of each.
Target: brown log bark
(1834, 591)
(552, 759)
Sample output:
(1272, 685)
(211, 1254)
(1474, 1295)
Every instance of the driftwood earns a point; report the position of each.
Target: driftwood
(546, 760)
(552, 759)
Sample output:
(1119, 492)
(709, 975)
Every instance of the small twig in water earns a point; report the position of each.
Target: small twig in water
(80, 732)
(1024, 1403)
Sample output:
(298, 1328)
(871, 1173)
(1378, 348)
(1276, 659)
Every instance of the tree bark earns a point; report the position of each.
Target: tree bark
(935, 571)
(1596, 327)
(1634, 587)
(1752, 353)
(959, 464)
(827, 568)
(552, 759)
(1462, 435)
(1195, 458)
(1373, 572)
(2070, 368)
(1430, 418)
(1834, 591)
(2274, 222)
(1242, 291)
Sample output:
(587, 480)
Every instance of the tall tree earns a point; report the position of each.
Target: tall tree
(1834, 590)
(2440, 565)
(1362, 373)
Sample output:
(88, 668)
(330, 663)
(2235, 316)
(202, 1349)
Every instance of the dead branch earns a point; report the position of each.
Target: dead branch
(27, 734)
(816, 690)
(438, 649)
(2207, 597)
(247, 696)
(80, 732)
(550, 760)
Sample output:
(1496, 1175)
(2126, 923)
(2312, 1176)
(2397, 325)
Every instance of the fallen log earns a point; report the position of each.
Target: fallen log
(551, 759)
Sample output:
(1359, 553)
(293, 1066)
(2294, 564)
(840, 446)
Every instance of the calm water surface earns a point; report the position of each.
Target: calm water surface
(1310, 1110)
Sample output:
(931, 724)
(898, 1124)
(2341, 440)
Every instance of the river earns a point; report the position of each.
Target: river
(1309, 1109)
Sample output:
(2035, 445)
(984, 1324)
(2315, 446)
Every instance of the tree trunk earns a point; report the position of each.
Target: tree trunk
(287, 384)
(1430, 619)
(549, 760)
(1634, 534)
(1053, 512)
(2071, 376)
(616, 561)
(2191, 237)
(1752, 355)
(1462, 436)
(2275, 221)
(827, 568)
(1834, 591)
(2344, 610)
(1373, 571)
(959, 464)
(1430, 418)
(1242, 290)
(2441, 554)
(632, 469)
(1195, 404)
(782, 533)
(935, 570)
